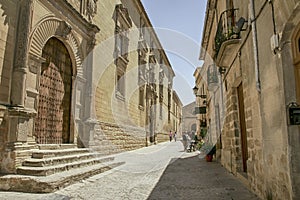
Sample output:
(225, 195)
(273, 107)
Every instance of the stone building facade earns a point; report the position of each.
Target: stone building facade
(79, 72)
(133, 82)
(189, 118)
(251, 58)
(176, 111)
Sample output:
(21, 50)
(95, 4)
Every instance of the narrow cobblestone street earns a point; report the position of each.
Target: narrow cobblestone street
(162, 171)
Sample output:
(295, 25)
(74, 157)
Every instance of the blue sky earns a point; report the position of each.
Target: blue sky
(179, 24)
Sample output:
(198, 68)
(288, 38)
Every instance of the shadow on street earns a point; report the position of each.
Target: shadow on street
(194, 178)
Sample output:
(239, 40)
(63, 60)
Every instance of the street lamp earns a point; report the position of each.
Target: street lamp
(195, 90)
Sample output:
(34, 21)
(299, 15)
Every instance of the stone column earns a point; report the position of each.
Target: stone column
(19, 117)
(21, 53)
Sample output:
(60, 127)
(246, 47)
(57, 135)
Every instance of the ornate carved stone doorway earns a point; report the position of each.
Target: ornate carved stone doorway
(53, 124)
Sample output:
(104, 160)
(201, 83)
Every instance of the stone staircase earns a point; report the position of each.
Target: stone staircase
(52, 167)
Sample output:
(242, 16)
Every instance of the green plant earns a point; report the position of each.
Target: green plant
(200, 144)
(203, 132)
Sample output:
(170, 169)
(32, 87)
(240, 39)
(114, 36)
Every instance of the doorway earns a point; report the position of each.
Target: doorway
(53, 121)
(243, 133)
(296, 55)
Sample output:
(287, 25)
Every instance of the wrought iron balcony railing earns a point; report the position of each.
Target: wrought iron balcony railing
(226, 28)
(200, 110)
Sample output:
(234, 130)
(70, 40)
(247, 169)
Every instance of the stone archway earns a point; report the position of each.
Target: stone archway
(193, 127)
(53, 27)
(53, 121)
(62, 38)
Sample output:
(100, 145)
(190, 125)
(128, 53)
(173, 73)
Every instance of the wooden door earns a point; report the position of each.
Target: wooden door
(243, 132)
(52, 125)
(296, 54)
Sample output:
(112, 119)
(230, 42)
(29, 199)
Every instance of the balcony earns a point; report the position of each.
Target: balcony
(212, 77)
(200, 110)
(142, 46)
(227, 38)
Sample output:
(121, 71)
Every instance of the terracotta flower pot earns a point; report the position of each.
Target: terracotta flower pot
(209, 158)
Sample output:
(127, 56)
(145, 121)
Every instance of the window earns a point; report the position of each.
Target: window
(122, 25)
(120, 83)
(141, 96)
(169, 103)
(142, 67)
(161, 92)
(160, 110)
(161, 97)
(142, 28)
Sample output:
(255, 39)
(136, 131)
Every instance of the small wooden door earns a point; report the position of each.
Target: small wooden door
(243, 135)
(52, 124)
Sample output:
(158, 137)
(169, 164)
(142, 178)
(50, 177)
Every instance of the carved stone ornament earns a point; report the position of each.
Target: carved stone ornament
(123, 17)
(91, 10)
(65, 29)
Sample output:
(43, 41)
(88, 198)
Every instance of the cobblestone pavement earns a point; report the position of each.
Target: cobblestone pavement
(162, 171)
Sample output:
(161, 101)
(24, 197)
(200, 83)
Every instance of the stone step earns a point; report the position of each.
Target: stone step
(48, 170)
(48, 184)
(42, 162)
(25, 147)
(58, 152)
(107, 151)
(56, 146)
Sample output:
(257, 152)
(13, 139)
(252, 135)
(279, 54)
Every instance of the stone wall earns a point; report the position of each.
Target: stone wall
(273, 161)
(189, 117)
(264, 110)
(111, 138)
(115, 113)
(163, 137)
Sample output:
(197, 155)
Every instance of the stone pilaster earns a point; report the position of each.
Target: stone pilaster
(89, 90)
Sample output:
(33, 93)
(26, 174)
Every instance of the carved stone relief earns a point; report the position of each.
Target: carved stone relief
(87, 8)
(91, 10)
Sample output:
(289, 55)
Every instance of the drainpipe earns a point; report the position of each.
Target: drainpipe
(222, 102)
(255, 49)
